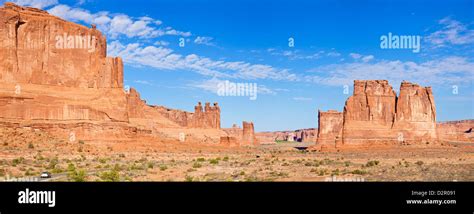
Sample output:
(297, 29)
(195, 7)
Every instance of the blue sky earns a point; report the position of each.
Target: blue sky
(246, 41)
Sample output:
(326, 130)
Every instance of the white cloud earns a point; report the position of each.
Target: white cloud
(452, 33)
(35, 3)
(355, 55)
(333, 54)
(204, 40)
(367, 58)
(115, 25)
(165, 58)
(143, 82)
(449, 70)
(303, 98)
(161, 43)
(295, 54)
(72, 14)
(363, 58)
(212, 85)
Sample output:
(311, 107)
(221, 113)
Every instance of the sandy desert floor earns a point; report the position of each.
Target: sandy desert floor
(26, 154)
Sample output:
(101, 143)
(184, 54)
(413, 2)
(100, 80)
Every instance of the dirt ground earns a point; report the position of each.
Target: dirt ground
(26, 154)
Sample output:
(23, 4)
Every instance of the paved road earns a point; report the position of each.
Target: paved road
(63, 176)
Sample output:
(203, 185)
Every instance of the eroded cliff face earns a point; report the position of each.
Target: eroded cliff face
(374, 114)
(55, 76)
(416, 114)
(42, 49)
(370, 112)
(330, 128)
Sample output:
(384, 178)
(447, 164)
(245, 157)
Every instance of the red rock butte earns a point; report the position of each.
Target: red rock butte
(374, 115)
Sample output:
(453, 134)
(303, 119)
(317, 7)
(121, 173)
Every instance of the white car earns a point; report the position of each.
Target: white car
(45, 175)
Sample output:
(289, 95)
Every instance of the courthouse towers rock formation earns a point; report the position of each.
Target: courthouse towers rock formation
(374, 114)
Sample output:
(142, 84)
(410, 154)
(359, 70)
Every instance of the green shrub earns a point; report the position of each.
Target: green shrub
(71, 167)
(372, 163)
(112, 175)
(189, 178)
(77, 176)
(52, 163)
(17, 161)
(359, 172)
(197, 165)
(347, 163)
(150, 165)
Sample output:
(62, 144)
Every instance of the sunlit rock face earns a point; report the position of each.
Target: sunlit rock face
(55, 76)
(330, 128)
(374, 114)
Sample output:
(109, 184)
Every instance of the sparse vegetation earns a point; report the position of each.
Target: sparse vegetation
(214, 161)
(112, 176)
(77, 176)
(359, 172)
(372, 163)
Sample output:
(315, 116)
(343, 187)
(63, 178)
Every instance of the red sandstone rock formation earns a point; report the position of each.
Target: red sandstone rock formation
(248, 134)
(374, 114)
(369, 113)
(30, 52)
(416, 113)
(209, 118)
(306, 135)
(244, 136)
(229, 141)
(55, 75)
(456, 131)
(300, 135)
(330, 128)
